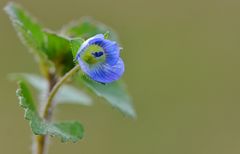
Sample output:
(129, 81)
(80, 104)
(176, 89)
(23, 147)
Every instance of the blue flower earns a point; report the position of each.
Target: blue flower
(100, 59)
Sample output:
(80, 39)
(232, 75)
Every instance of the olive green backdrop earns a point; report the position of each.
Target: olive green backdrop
(182, 68)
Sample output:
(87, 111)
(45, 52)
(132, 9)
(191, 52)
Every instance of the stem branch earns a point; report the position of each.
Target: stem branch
(41, 142)
(55, 90)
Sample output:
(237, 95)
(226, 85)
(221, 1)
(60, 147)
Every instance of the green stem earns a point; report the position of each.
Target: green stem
(47, 108)
(41, 144)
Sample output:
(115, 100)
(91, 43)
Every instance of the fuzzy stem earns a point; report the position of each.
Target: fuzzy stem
(55, 90)
(41, 145)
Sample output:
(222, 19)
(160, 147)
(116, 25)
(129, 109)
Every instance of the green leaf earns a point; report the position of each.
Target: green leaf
(58, 50)
(115, 93)
(86, 28)
(67, 131)
(66, 95)
(75, 45)
(47, 46)
(28, 29)
(107, 35)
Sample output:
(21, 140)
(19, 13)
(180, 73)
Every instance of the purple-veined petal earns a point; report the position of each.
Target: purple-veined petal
(104, 72)
(111, 48)
(112, 51)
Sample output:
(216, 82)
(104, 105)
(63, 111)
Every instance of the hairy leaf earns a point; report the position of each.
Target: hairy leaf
(66, 95)
(67, 131)
(115, 93)
(47, 46)
(58, 50)
(28, 29)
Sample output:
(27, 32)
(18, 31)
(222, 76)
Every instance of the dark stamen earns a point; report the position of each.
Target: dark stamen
(97, 54)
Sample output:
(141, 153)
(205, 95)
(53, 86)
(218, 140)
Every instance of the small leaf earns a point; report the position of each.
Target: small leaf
(75, 45)
(86, 28)
(107, 35)
(55, 45)
(67, 131)
(58, 50)
(66, 95)
(115, 94)
(28, 29)
(47, 46)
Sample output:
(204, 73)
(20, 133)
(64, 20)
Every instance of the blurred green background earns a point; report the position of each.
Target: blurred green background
(182, 69)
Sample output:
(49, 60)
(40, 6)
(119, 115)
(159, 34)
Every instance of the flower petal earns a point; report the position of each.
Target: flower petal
(111, 48)
(112, 51)
(104, 72)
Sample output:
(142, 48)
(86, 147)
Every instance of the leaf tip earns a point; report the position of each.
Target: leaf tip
(9, 6)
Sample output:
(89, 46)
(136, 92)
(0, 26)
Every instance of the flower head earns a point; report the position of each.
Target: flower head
(100, 59)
